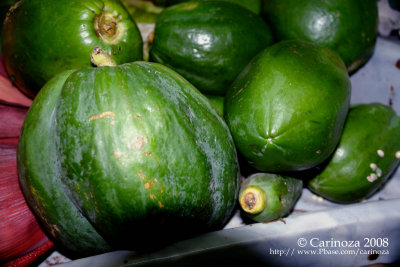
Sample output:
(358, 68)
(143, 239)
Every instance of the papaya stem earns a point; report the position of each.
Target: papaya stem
(252, 200)
(101, 58)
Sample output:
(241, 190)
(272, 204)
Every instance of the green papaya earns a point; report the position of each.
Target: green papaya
(42, 38)
(126, 157)
(368, 152)
(252, 5)
(348, 27)
(286, 110)
(208, 43)
(265, 197)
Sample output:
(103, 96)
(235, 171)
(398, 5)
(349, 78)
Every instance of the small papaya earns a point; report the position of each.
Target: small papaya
(368, 152)
(349, 27)
(286, 110)
(42, 38)
(265, 196)
(208, 42)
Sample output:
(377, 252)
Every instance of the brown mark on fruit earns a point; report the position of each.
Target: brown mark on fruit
(138, 143)
(250, 200)
(152, 196)
(142, 175)
(147, 186)
(105, 114)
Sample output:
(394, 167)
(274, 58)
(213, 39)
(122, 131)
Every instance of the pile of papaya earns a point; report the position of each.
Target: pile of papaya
(234, 105)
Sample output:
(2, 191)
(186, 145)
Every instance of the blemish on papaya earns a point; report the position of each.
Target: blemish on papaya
(160, 204)
(147, 153)
(238, 92)
(138, 142)
(117, 154)
(373, 166)
(146, 186)
(142, 175)
(378, 172)
(372, 177)
(152, 196)
(105, 114)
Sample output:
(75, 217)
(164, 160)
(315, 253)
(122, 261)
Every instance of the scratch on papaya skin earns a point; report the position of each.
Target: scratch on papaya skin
(105, 114)
(238, 92)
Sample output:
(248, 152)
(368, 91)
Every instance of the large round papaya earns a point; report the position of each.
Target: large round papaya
(42, 38)
(208, 42)
(286, 110)
(127, 157)
(368, 152)
(348, 27)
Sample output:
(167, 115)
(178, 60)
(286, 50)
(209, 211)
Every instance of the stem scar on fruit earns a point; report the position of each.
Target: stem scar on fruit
(252, 200)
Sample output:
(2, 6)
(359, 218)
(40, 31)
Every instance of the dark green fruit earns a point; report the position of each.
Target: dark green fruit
(287, 109)
(42, 38)
(127, 157)
(348, 27)
(368, 152)
(208, 43)
(253, 5)
(265, 197)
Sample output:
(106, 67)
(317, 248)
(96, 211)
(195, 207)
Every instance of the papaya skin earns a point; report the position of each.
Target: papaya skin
(252, 5)
(348, 27)
(42, 38)
(286, 110)
(266, 197)
(367, 154)
(208, 43)
(139, 153)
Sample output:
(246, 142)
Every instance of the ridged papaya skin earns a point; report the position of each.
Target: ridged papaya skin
(208, 43)
(286, 110)
(137, 150)
(42, 38)
(349, 27)
(367, 154)
(280, 195)
(40, 177)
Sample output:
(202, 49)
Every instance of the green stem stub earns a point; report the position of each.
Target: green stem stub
(252, 200)
(101, 58)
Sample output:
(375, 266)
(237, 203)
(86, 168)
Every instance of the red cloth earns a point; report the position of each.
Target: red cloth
(22, 239)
